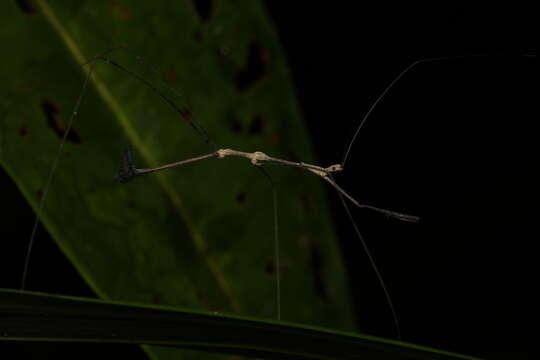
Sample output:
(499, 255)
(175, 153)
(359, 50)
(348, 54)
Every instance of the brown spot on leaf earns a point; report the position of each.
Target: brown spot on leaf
(171, 74)
(39, 193)
(186, 113)
(23, 131)
(115, 7)
(198, 35)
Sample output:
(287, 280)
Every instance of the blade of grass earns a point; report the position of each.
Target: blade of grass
(28, 316)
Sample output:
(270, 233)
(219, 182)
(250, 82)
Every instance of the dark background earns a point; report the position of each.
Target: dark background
(453, 142)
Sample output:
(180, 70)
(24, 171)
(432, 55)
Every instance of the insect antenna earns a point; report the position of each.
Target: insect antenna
(391, 85)
(54, 165)
(184, 112)
(342, 194)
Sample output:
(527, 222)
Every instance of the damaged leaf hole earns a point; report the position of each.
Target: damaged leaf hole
(51, 112)
(203, 8)
(254, 70)
(241, 198)
(256, 126)
(26, 7)
(270, 268)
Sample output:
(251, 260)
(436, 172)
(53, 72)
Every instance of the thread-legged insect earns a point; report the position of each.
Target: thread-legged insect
(128, 170)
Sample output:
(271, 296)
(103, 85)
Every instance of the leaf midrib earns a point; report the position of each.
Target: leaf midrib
(122, 118)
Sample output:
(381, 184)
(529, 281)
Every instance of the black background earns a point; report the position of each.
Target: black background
(453, 142)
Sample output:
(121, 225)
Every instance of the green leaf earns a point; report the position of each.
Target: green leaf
(39, 317)
(200, 236)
